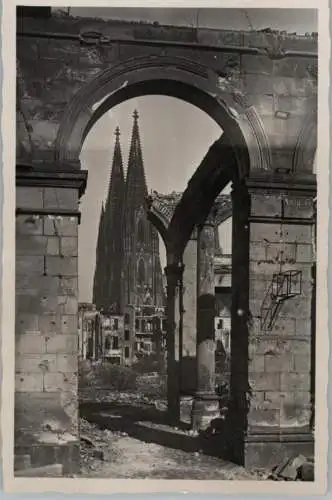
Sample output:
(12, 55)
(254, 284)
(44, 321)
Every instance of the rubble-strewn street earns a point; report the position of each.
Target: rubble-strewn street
(126, 435)
(115, 454)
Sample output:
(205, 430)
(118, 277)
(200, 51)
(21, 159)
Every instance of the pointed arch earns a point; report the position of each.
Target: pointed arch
(140, 231)
(141, 272)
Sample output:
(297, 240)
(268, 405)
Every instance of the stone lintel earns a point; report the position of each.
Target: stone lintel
(305, 184)
(42, 176)
(282, 220)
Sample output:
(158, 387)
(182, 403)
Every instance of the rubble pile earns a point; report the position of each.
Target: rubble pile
(96, 445)
(297, 468)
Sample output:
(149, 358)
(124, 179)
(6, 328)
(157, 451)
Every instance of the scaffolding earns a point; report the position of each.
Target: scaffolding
(284, 285)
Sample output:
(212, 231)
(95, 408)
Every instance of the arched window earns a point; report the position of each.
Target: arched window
(140, 231)
(141, 272)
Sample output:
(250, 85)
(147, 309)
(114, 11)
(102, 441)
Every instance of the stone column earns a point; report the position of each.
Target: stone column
(83, 336)
(206, 401)
(189, 317)
(174, 273)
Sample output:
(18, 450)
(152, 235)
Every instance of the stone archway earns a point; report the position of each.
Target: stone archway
(270, 397)
(175, 77)
(242, 151)
(243, 148)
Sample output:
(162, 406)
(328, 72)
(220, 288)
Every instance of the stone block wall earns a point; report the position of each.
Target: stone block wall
(272, 380)
(46, 330)
(52, 73)
(280, 361)
(280, 357)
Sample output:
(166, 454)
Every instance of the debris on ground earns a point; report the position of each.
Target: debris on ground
(114, 455)
(128, 437)
(86, 440)
(307, 471)
(298, 468)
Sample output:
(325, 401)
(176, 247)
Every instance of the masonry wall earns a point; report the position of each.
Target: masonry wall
(279, 353)
(270, 380)
(46, 332)
(53, 71)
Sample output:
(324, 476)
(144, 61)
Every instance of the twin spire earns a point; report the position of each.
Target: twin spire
(117, 186)
(134, 188)
(135, 132)
(116, 244)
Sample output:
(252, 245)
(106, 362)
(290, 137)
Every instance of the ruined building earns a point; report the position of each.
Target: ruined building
(261, 88)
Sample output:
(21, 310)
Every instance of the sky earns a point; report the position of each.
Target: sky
(175, 135)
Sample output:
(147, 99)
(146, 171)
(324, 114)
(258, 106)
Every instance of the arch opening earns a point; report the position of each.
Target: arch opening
(173, 77)
(241, 145)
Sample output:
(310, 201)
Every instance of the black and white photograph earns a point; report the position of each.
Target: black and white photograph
(168, 289)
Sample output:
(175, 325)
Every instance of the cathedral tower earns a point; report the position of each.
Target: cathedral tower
(142, 270)
(98, 280)
(108, 282)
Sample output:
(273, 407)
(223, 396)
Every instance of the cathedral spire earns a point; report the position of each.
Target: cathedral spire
(136, 189)
(141, 253)
(108, 279)
(98, 281)
(116, 182)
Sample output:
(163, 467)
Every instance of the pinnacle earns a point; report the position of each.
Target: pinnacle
(117, 133)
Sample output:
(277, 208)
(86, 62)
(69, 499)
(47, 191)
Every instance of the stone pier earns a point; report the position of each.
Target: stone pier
(206, 402)
(46, 403)
(272, 321)
(174, 276)
(189, 314)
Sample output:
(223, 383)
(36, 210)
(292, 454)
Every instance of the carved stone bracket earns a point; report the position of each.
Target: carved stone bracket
(221, 211)
(163, 206)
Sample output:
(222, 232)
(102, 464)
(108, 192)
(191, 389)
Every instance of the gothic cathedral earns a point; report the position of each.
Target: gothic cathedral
(128, 269)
